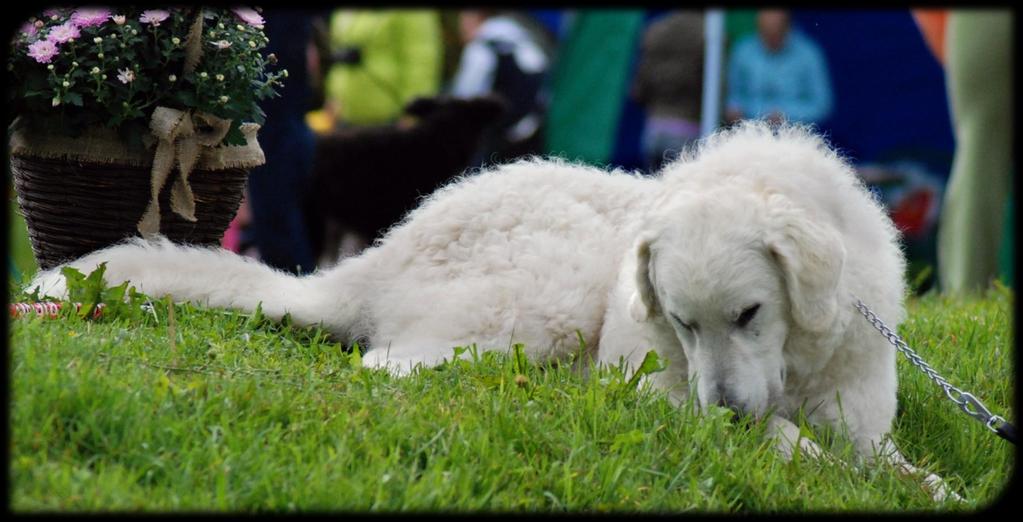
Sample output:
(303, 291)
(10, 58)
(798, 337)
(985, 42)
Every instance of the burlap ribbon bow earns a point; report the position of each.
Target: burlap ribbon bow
(179, 137)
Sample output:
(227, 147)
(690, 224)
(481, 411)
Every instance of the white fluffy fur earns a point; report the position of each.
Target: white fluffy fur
(537, 251)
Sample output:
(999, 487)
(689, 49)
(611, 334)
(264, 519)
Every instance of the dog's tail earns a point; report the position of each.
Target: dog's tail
(219, 278)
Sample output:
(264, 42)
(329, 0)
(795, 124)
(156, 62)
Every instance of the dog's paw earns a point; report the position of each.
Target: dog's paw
(403, 358)
(939, 490)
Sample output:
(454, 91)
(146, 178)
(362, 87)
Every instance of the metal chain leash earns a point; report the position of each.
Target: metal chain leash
(965, 400)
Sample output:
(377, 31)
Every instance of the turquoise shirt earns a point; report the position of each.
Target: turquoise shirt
(794, 80)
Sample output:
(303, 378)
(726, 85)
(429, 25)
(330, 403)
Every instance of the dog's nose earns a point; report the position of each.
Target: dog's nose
(719, 396)
(728, 400)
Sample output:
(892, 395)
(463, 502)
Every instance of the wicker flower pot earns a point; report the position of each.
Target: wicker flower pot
(75, 203)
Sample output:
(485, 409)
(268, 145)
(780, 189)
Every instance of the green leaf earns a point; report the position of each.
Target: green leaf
(629, 438)
(73, 98)
(235, 135)
(73, 278)
(87, 290)
(92, 290)
(187, 98)
(355, 358)
(521, 363)
(652, 363)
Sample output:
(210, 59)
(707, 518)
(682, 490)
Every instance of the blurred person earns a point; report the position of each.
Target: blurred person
(382, 60)
(504, 56)
(669, 85)
(975, 46)
(777, 74)
(276, 189)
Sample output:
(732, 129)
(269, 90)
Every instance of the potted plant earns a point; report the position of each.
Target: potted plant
(134, 121)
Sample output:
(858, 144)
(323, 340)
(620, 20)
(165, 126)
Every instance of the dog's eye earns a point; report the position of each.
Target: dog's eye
(683, 324)
(747, 315)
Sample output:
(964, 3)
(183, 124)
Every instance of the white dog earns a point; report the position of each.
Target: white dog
(737, 265)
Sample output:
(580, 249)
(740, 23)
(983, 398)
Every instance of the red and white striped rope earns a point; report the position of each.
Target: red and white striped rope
(47, 309)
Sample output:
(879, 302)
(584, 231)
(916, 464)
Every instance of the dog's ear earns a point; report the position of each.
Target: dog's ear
(643, 303)
(811, 255)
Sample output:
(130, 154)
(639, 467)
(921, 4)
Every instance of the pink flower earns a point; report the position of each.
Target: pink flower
(126, 75)
(54, 11)
(90, 16)
(28, 29)
(64, 32)
(42, 50)
(249, 16)
(154, 16)
(120, 19)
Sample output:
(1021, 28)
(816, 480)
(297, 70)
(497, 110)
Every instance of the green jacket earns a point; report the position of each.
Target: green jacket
(401, 58)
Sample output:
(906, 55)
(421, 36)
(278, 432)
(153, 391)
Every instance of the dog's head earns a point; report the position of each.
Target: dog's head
(476, 113)
(733, 276)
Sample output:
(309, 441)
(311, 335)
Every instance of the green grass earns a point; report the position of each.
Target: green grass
(220, 411)
(20, 261)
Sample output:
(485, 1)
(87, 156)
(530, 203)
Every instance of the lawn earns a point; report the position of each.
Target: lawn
(194, 409)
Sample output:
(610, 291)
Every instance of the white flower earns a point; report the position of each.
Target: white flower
(104, 76)
(239, 27)
(95, 70)
(223, 99)
(97, 40)
(220, 26)
(172, 78)
(175, 40)
(119, 19)
(74, 64)
(100, 55)
(134, 32)
(221, 44)
(285, 73)
(49, 67)
(126, 75)
(66, 84)
(251, 43)
(56, 101)
(154, 17)
(203, 74)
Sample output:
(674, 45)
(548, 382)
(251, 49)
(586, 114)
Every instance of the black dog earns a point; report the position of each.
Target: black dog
(367, 179)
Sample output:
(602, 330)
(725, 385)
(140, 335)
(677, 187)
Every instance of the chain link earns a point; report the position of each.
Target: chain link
(966, 401)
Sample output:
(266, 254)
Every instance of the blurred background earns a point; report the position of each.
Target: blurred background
(383, 106)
